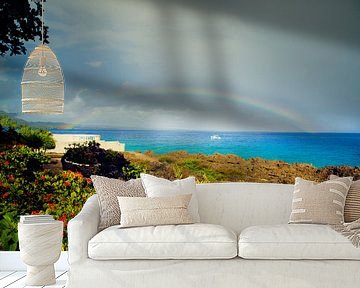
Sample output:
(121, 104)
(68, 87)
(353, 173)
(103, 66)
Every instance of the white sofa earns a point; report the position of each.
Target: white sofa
(250, 221)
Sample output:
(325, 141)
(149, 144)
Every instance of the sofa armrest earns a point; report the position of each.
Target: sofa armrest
(82, 228)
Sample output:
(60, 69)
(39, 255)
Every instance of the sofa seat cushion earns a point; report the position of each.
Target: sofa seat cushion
(295, 241)
(191, 241)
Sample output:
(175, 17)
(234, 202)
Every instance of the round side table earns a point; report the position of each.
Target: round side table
(40, 248)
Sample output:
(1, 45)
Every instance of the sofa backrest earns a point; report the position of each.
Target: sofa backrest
(239, 205)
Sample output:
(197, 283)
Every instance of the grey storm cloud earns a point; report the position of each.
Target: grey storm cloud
(327, 19)
(241, 65)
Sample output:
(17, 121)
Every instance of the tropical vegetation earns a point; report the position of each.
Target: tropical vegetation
(20, 22)
(26, 187)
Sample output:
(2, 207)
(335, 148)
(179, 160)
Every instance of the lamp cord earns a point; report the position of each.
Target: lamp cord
(42, 22)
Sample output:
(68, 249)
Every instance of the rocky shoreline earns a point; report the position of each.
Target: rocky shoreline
(232, 168)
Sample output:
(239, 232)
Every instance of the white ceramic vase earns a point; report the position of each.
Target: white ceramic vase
(40, 248)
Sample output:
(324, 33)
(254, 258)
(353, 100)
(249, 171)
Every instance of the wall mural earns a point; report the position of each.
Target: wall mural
(253, 91)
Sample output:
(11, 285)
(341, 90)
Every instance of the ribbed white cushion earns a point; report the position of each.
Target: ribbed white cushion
(191, 241)
(295, 241)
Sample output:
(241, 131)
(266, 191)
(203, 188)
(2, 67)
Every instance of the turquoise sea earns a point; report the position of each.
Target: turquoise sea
(319, 149)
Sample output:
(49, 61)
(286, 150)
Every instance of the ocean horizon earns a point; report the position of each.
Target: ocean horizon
(318, 149)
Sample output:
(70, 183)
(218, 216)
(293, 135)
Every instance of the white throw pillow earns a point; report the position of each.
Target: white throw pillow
(159, 187)
(153, 211)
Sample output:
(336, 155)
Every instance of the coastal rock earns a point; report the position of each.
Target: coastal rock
(231, 168)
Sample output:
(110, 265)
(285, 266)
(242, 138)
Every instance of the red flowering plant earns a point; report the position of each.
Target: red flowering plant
(22, 161)
(25, 188)
(18, 166)
(63, 195)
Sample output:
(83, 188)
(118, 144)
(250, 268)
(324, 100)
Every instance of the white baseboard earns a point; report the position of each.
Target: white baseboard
(10, 260)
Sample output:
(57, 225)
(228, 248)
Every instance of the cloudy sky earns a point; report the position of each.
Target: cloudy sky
(274, 65)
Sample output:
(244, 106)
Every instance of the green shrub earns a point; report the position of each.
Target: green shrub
(90, 159)
(22, 161)
(177, 171)
(8, 232)
(133, 171)
(202, 172)
(37, 138)
(13, 133)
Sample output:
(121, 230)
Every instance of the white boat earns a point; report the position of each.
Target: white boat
(215, 137)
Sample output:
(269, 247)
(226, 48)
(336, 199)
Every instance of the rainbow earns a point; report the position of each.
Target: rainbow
(299, 122)
(82, 118)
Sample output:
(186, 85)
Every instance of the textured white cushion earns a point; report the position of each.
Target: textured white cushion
(319, 203)
(192, 241)
(146, 211)
(107, 190)
(295, 241)
(159, 187)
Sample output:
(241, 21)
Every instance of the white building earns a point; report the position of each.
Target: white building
(64, 140)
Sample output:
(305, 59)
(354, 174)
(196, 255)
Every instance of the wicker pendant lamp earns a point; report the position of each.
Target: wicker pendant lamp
(42, 84)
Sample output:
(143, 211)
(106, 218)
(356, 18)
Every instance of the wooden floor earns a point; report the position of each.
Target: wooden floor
(16, 279)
